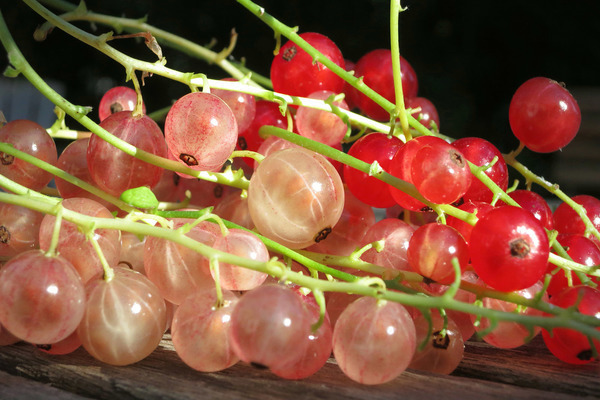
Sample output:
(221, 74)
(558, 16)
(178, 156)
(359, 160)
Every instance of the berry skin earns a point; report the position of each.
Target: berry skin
(376, 69)
(368, 189)
(117, 99)
(428, 113)
(293, 71)
(481, 152)
(567, 344)
(509, 249)
(566, 220)
(543, 115)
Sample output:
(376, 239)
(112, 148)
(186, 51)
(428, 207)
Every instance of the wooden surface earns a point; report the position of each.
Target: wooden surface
(485, 373)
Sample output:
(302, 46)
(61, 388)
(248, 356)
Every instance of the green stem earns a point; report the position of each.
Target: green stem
(157, 68)
(18, 62)
(109, 273)
(590, 229)
(9, 149)
(163, 37)
(565, 318)
(56, 232)
(399, 110)
(317, 56)
(360, 165)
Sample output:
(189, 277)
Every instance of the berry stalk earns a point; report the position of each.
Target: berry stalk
(562, 317)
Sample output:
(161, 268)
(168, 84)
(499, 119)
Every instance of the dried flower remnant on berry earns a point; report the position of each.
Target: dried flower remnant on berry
(289, 53)
(322, 235)
(6, 159)
(4, 234)
(439, 340)
(188, 159)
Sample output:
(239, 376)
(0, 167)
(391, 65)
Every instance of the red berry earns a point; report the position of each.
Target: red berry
(294, 71)
(544, 115)
(428, 113)
(119, 98)
(368, 189)
(376, 69)
(536, 204)
(567, 344)
(566, 219)
(509, 249)
(481, 152)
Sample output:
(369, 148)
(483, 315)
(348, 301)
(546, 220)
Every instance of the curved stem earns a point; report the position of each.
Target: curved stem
(561, 317)
(9, 149)
(360, 165)
(399, 110)
(553, 188)
(164, 37)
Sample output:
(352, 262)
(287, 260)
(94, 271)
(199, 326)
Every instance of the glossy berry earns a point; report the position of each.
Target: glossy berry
(566, 220)
(294, 72)
(114, 171)
(320, 125)
(432, 248)
(440, 172)
(373, 342)
(583, 251)
(427, 115)
(567, 344)
(117, 99)
(543, 115)
(269, 326)
(445, 346)
(376, 69)
(124, 319)
(481, 152)
(201, 131)
(31, 138)
(396, 235)
(510, 334)
(509, 249)
(535, 204)
(295, 197)
(42, 298)
(243, 105)
(372, 147)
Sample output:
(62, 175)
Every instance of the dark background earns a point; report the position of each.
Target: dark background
(470, 56)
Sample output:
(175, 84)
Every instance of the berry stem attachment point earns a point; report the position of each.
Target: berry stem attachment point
(109, 273)
(56, 231)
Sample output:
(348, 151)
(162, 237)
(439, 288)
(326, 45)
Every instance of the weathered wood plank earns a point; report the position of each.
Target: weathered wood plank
(18, 388)
(486, 373)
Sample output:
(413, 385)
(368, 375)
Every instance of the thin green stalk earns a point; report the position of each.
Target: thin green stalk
(562, 317)
(9, 149)
(139, 25)
(590, 229)
(281, 29)
(360, 165)
(19, 63)
(158, 68)
(51, 252)
(399, 110)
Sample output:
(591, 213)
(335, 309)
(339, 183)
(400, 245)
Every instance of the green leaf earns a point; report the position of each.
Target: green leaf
(140, 197)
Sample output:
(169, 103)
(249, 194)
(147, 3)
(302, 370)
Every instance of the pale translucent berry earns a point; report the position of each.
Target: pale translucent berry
(373, 342)
(295, 197)
(200, 331)
(124, 319)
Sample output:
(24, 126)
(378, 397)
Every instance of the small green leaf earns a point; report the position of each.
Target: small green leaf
(140, 197)
(11, 72)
